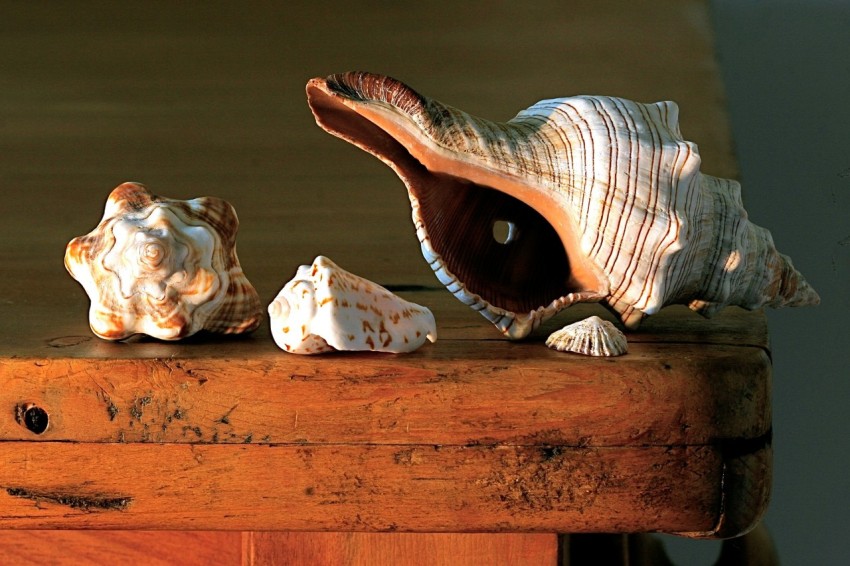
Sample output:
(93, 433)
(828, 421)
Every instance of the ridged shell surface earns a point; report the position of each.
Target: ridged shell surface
(163, 267)
(592, 336)
(325, 308)
(604, 201)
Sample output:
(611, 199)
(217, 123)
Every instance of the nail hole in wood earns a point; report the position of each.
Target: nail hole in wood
(34, 418)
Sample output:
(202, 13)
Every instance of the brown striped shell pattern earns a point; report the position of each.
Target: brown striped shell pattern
(163, 267)
(598, 198)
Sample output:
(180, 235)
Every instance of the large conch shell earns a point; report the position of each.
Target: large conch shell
(163, 267)
(326, 308)
(600, 199)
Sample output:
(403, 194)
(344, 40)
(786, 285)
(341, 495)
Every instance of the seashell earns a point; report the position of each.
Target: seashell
(598, 199)
(591, 337)
(163, 267)
(325, 308)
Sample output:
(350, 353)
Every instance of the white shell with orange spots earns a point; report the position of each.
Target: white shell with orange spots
(325, 308)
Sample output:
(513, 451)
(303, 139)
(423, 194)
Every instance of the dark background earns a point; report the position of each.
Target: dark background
(786, 69)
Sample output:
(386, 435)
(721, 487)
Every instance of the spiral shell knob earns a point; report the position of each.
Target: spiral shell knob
(163, 267)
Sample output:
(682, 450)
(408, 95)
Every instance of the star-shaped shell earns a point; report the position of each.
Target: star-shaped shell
(163, 267)
(601, 199)
(325, 308)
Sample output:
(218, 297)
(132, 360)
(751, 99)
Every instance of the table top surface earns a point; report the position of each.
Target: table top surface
(211, 102)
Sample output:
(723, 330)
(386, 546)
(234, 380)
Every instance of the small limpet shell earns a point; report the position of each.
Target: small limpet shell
(325, 308)
(163, 267)
(591, 337)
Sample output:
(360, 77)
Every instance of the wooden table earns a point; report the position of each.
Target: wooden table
(473, 434)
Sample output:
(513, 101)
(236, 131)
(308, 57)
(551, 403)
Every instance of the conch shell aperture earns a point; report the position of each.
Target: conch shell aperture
(603, 199)
(163, 267)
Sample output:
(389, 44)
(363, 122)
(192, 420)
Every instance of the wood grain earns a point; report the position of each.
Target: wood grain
(189, 548)
(362, 487)
(51, 330)
(95, 548)
(355, 549)
(431, 549)
(498, 394)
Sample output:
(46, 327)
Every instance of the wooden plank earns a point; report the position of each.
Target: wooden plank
(411, 549)
(223, 548)
(657, 395)
(341, 487)
(748, 477)
(95, 548)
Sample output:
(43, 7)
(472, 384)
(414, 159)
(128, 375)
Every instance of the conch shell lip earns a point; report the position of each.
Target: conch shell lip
(546, 259)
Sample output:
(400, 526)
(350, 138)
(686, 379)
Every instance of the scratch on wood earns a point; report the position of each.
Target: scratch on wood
(225, 419)
(196, 429)
(87, 503)
(68, 341)
(548, 478)
(408, 457)
(191, 372)
(138, 408)
(198, 456)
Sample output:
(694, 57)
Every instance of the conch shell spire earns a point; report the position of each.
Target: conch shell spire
(604, 201)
